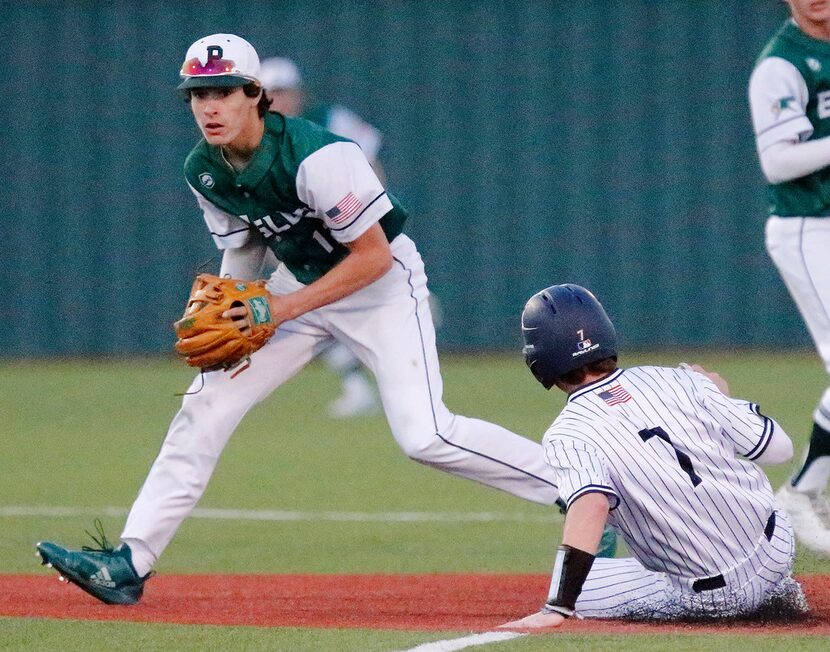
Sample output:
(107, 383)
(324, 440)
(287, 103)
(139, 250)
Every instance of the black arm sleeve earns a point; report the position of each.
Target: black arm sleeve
(569, 572)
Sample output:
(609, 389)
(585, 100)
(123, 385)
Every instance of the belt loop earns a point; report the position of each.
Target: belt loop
(770, 527)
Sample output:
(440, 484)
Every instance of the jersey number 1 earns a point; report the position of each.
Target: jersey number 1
(684, 460)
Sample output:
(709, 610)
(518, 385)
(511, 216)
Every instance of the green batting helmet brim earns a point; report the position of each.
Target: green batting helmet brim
(214, 81)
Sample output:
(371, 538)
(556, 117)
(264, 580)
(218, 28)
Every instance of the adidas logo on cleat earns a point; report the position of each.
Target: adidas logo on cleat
(102, 578)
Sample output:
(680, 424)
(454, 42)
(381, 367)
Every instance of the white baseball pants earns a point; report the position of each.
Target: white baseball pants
(799, 248)
(388, 326)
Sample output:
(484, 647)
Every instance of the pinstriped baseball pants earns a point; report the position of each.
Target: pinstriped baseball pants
(624, 588)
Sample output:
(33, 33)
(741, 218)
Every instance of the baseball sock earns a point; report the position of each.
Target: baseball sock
(814, 473)
(143, 558)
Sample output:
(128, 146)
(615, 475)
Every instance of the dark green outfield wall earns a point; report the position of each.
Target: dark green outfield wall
(601, 142)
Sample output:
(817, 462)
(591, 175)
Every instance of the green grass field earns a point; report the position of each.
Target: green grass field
(81, 435)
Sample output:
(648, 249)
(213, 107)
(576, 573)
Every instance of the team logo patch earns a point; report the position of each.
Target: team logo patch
(583, 347)
(260, 311)
(813, 64)
(241, 287)
(207, 180)
(781, 105)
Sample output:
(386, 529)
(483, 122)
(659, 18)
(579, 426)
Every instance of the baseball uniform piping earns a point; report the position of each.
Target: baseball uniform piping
(234, 232)
(596, 489)
(766, 435)
(778, 124)
(429, 389)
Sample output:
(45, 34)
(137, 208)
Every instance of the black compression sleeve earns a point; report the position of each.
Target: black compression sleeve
(569, 572)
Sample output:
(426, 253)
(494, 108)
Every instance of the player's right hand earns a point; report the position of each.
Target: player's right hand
(539, 622)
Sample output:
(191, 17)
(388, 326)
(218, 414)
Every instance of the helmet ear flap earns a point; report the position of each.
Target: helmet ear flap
(544, 379)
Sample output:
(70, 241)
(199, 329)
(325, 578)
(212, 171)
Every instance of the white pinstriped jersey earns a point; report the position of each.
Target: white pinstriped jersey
(662, 443)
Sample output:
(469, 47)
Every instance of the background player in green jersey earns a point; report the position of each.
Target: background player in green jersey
(789, 94)
(283, 84)
(347, 272)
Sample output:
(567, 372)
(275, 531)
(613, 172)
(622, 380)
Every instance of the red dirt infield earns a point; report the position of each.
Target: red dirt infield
(445, 602)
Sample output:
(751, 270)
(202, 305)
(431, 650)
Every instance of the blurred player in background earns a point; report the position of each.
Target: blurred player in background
(283, 85)
(789, 95)
(670, 460)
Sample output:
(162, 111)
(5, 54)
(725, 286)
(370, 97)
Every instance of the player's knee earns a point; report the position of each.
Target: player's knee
(421, 447)
(419, 438)
(415, 450)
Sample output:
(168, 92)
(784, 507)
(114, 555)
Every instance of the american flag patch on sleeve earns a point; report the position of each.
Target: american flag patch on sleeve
(344, 209)
(615, 395)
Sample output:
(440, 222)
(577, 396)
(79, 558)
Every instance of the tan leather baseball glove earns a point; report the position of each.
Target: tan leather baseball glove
(210, 341)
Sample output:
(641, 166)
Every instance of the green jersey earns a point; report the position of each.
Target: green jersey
(789, 94)
(305, 193)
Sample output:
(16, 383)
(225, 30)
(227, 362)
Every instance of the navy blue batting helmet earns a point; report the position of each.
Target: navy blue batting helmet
(564, 327)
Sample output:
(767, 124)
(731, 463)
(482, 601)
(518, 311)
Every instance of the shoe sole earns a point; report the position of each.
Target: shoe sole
(107, 596)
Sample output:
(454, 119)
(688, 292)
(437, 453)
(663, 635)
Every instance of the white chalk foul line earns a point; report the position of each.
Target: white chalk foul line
(286, 515)
(452, 644)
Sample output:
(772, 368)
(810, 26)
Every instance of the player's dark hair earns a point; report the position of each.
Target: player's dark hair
(252, 90)
(577, 377)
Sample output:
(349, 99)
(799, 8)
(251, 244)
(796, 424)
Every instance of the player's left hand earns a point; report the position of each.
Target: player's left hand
(283, 307)
(715, 377)
(224, 322)
(539, 622)
(242, 317)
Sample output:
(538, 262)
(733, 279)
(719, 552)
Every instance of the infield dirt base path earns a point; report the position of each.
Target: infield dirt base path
(445, 602)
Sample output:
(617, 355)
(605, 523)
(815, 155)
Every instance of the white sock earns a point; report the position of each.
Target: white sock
(814, 479)
(143, 557)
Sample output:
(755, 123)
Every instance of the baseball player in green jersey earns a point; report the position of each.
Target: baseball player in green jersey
(283, 84)
(266, 182)
(789, 95)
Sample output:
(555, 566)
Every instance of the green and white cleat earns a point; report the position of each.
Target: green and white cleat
(106, 573)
